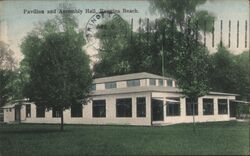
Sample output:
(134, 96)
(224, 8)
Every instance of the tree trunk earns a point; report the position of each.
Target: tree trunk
(61, 120)
(192, 101)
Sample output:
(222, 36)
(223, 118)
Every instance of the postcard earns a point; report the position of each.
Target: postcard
(124, 77)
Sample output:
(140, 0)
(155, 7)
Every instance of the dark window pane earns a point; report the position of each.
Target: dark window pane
(222, 106)
(208, 106)
(173, 107)
(93, 87)
(124, 107)
(28, 111)
(141, 106)
(160, 82)
(131, 83)
(56, 112)
(189, 106)
(152, 82)
(110, 85)
(76, 110)
(40, 111)
(170, 83)
(99, 108)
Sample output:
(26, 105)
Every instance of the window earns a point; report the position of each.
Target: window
(131, 83)
(170, 83)
(141, 106)
(76, 110)
(189, 106)
(124, 107)
(152, 82)
(110, 85)
(176, 84)
(173, 107)
(99, 108)
(56, 112)
(160, 82)
(93, 87)
(28, 111)
(208, 106)
(40, 111)
(222, 106)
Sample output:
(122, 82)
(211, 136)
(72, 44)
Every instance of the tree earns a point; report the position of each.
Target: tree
(193, 59)
(9, 75)
(229, 72)
(57, 68)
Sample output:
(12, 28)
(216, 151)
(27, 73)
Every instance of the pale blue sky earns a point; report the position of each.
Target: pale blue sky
(14, 24)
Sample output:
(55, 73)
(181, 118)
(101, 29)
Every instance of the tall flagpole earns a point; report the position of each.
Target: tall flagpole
(162, 60)
(162, 53)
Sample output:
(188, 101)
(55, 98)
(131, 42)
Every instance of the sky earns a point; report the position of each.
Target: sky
(15, 22)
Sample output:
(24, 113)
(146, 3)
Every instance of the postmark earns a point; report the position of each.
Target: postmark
(98, 22)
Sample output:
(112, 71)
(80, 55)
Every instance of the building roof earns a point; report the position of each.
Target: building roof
(142, 75)
(137, 89)
(132, 76)
(12, 105)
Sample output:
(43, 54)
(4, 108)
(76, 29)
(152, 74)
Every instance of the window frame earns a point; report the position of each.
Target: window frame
(76, 114)
(139, 105)
(152, 82)
(122, 106)
(196, 107)
(93, 87)
(159, 82)
(133, 83)
(168, 80)
(110, 85)
(95, 105)
(173, 104)
(211, 107)
(56, 112)
(221, 104)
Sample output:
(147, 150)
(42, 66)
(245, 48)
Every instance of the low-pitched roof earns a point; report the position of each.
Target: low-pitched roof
(137, 89)
(132, 76)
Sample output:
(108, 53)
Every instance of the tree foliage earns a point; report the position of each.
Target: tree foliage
(177, 32)
(10, 85)
(55, 66)
(230, 73)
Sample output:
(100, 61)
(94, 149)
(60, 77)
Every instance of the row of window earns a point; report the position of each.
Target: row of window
(173, 107)
(152, 82)
(132, 83)
(123, 109)
(208, 106)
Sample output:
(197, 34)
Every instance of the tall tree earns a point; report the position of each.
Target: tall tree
(192, 60)
(56, 67)
(9, 75)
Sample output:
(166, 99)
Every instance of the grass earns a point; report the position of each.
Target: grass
(220, 138)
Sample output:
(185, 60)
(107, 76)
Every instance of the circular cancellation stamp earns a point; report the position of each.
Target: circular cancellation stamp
(98, 23)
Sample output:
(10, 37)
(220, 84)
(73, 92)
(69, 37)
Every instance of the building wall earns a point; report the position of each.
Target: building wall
(134, 120)
(9, 115)
(110, 112)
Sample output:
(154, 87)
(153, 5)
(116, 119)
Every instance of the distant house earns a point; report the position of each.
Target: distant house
(133, 99)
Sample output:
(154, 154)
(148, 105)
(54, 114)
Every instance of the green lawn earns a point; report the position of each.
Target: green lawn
(231, 138)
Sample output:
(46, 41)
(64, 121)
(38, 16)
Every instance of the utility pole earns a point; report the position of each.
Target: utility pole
(162, 53)
(162, 60)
